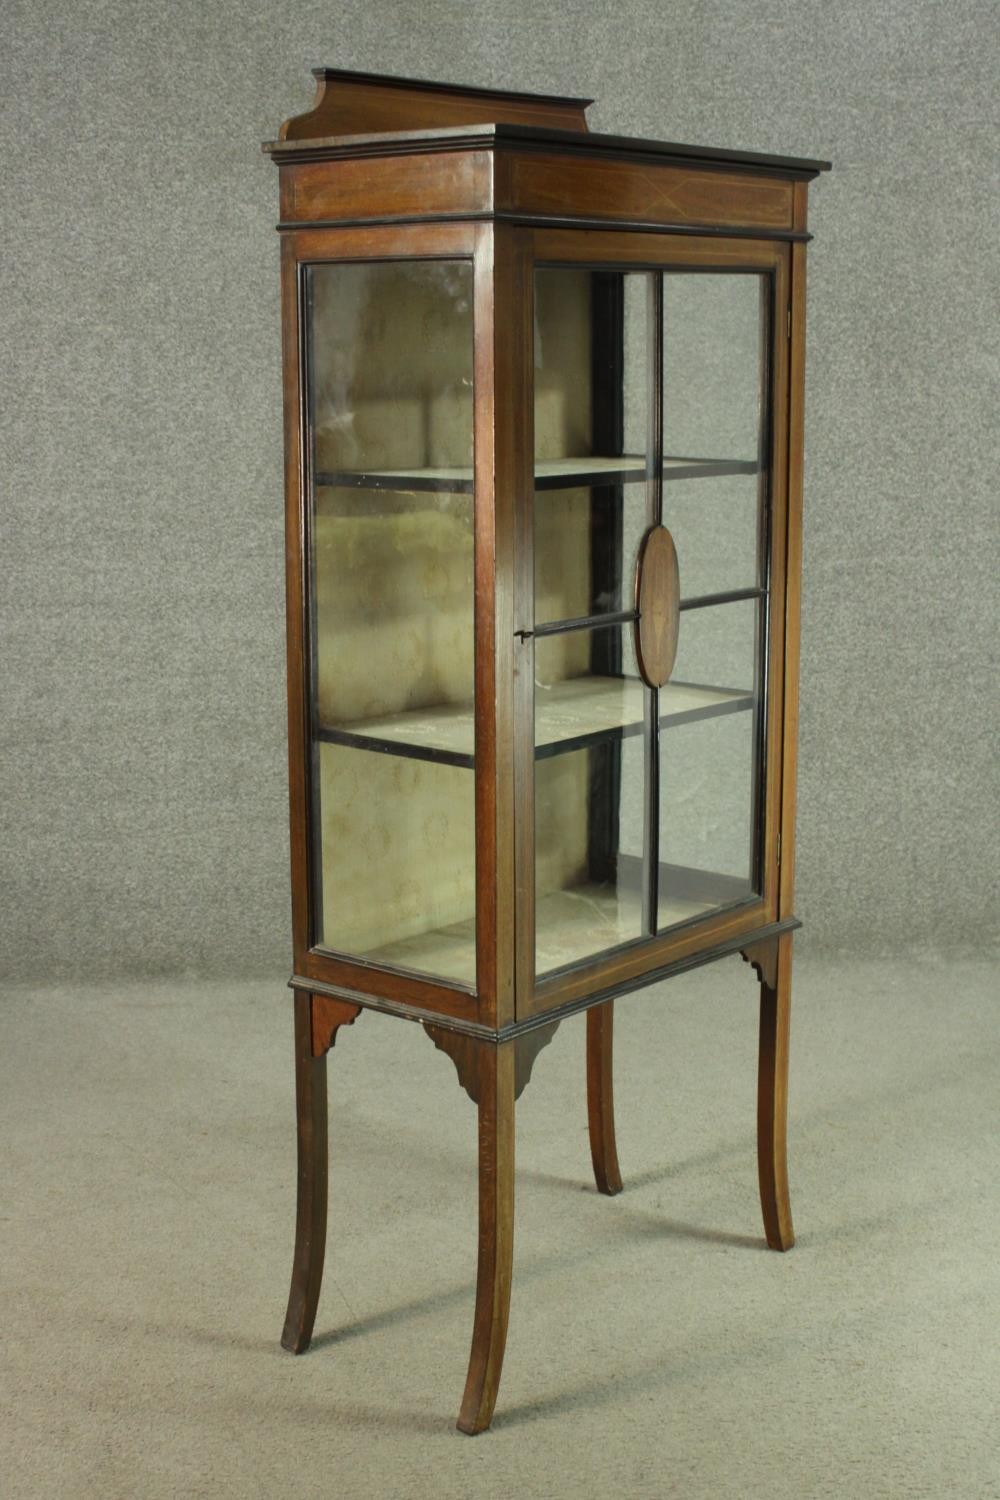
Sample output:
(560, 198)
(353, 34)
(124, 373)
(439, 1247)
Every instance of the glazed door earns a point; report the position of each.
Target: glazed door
(654, 497)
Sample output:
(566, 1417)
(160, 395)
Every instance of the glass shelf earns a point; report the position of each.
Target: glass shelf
(550, 474)
(569, 715)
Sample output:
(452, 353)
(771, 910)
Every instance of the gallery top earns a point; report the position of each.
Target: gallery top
(369, 114)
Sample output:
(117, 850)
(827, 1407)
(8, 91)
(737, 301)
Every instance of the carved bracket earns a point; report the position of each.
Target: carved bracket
(763, 959)
(464, 1053)
(526, 1049)
(328, 1015)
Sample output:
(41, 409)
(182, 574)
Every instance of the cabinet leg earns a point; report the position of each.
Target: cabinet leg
(601, 1099)
(772, 1097)
(496, 1070)
(310, 1222)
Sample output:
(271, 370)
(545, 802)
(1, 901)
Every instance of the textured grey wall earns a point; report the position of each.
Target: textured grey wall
(142, 726)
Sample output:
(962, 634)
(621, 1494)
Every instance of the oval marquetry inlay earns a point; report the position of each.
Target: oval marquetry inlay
(657, 599)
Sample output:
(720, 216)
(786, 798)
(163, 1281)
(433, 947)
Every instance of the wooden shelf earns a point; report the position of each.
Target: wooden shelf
(570, 715)
(570, 925)
(587, 919)
(550, 474)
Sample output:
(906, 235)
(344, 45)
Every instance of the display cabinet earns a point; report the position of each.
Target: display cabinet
(543, 428)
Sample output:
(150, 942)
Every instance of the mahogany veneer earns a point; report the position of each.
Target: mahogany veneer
(510, 379)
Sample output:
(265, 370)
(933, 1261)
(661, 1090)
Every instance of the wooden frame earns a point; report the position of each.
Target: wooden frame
(508, 183)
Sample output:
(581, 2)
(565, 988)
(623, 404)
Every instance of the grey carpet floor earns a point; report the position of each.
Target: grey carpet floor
(656, 1347)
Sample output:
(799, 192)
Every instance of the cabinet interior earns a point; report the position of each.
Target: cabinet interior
(391, 409)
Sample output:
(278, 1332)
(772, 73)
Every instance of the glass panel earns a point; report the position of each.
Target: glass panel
(391, 424)
(709, 766)
(712, 412)
(589, 796)
(711, 366)
(715, 526)
(592, 363)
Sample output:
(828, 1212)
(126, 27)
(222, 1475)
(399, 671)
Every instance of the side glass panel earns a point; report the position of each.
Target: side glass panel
(390, 422)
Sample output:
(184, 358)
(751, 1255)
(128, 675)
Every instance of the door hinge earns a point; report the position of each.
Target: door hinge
(778, 853)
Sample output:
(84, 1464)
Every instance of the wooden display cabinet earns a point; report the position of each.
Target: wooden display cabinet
(543, 425)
